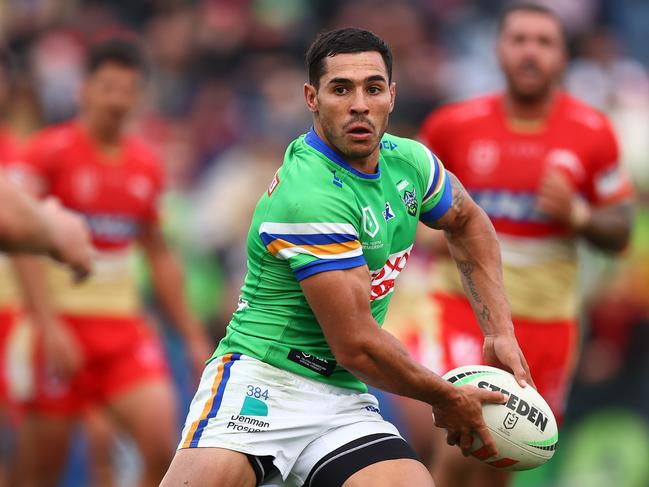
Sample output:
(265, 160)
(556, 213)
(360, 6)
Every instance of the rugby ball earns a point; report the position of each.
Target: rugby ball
(524, 428)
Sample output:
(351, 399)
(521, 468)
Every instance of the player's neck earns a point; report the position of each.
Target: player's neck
(108, 139)
(528, 111)
(367, 165)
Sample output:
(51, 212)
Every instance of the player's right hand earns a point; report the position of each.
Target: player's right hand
(71, 239)
(460, 413)
(63, 355)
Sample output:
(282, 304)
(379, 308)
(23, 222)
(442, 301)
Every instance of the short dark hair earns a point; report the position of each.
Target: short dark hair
(532, 8)
(344, 41)
(123, 52)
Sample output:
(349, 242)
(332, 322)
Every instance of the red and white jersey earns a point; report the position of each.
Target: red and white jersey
(502, 165)
(117, 195)
(9, 154)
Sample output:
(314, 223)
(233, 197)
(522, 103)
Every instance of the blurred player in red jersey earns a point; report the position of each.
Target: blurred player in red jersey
(544, 167)
(95, 347)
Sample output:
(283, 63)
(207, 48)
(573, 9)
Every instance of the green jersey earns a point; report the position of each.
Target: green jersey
(320, 214)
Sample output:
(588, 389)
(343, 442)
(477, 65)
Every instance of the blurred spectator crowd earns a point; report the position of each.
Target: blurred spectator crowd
(224, 97)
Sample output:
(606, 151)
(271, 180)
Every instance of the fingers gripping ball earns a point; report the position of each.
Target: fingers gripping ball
(524, 428)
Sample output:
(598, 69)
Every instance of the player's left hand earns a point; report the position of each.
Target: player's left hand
(556, 196)
(502, 351)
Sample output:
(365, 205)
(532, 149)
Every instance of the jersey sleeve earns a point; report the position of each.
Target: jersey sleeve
(437, 191)
(35, 165)
(608, 182)
(314, 231)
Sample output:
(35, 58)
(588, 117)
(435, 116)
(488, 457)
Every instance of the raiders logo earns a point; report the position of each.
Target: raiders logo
(410, 200)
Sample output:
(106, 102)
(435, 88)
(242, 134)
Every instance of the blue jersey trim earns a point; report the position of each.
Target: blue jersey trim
(309, 239)
(442, 206)
(438, 174)
(318, 266)
(318, 144)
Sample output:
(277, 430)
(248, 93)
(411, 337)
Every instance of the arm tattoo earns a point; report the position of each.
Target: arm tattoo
(458, 192)
(466, 269)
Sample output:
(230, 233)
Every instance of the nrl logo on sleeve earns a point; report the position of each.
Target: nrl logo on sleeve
(410, 200)
(273, 184)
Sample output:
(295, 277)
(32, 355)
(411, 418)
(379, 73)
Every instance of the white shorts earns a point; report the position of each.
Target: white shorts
(246, 405)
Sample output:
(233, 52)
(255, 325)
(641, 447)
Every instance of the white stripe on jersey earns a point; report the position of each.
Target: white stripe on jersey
(273, 228)
(434, 167)
(293, 251)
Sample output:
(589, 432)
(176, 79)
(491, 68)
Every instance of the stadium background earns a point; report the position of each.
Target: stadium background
(224, 96)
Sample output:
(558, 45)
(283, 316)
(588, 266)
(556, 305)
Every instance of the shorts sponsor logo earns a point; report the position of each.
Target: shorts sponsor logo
(373, 409)
(247, 424)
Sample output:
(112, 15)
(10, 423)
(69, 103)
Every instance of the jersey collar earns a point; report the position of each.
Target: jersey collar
(312, 139)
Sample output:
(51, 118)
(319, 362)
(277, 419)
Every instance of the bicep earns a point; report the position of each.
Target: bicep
(461, 210)
(340, 301)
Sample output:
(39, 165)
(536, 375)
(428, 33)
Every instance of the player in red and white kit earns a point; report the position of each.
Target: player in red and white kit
(544, 167)
(95, 348)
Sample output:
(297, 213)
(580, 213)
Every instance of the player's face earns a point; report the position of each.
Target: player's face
(353, 103)
(111, 93)
(531, 53)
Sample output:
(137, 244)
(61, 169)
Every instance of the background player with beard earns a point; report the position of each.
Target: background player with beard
(95, 348)
(544, 167)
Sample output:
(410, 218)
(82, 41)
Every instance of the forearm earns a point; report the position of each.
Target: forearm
(606, 228)
(476, 252)
(382, 361)
(168, 282)
(30, 272)
(23, 225)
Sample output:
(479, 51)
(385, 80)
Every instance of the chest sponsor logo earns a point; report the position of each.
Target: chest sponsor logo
(410, 200)
(112, 228)
(483, 156)
(273, 184)
(383, 279)
(370, 224)
(518, 206)
(388, 214)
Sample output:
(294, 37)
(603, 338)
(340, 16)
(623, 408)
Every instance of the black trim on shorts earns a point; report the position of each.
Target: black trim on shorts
(263, 467)
(336, 467)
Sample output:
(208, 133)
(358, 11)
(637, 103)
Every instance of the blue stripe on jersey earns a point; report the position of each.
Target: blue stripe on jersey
(218, 399)
(442, 206)
(319, 266)
(309, 239)
(438, 173)
(318, 144)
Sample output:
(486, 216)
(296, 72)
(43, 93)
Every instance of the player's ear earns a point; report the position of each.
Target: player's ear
(393, 95)
(311, 97)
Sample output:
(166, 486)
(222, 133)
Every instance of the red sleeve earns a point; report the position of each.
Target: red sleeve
(434, 135)
(34, 167)
(607, 181)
